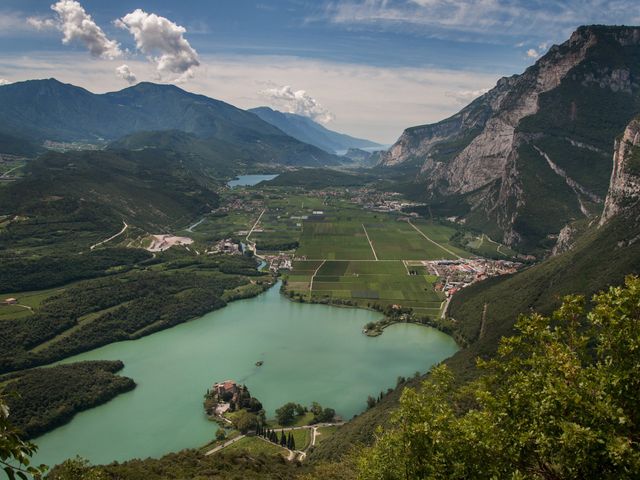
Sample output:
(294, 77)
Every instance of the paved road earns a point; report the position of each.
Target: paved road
(111, 237)
(225, 444)
(255, 225)
(370, 244)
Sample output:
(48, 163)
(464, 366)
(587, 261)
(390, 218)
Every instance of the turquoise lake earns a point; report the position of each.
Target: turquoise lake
(310, 353)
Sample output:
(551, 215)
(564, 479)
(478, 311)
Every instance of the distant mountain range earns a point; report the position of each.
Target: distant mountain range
(534, 153)
(39, 110)
(308, 131)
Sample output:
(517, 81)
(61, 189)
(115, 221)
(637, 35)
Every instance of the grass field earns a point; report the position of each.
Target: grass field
(484, 246)
(302, 438)
(324, 433)
(255, 445)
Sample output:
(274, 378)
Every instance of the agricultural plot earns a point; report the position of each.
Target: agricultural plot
(367, 260)
(366, 283)
(396, 240)
(334, 239)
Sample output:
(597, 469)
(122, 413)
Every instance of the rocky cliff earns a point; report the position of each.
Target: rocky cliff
(624, 188)
(529, 156)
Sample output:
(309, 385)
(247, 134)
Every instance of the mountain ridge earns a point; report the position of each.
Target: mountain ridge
(529, 156)
(308, 131)
(51, 110)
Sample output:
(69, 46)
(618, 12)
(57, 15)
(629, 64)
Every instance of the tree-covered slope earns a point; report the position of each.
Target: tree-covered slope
(50, 110)
(41, 399)
(151, 188)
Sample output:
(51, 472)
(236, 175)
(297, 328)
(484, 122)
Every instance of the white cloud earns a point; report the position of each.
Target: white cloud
(77, 25)
(464, 97)
(125, 73)
(298, 102)
(40, 23)
(163, 41)
(4, 81)
(533, 53)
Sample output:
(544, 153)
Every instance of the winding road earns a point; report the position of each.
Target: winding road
(111, 237)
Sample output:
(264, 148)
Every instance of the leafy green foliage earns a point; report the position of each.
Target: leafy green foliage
(193, 465)
(559, 401)
(42, 399)
(24, 274)
(14, 451)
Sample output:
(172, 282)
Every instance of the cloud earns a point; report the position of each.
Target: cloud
(4, 81)
(125, 73)
(298, 102)
(464, 97)
(533, 53)
(40, 23)
(164, 43)
(477, 20)
(77, 26)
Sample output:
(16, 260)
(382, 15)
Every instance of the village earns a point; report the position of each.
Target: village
(454, 275)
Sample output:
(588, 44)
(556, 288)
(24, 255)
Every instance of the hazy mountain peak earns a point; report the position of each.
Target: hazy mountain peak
(307, 130)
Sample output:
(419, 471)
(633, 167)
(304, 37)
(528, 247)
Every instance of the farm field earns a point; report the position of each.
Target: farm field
(365, 283)
(361, 258)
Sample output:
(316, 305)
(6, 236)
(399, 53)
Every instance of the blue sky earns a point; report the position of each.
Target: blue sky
(372, 67)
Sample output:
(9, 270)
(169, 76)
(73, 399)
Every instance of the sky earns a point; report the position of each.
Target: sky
(369, 68)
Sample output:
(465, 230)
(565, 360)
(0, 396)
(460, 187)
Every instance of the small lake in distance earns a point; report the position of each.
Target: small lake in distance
(249, 180)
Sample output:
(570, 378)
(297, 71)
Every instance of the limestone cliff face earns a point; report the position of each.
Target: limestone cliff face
(486, 137)
(624, 188)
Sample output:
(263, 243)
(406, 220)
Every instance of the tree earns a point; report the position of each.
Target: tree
(76, 469)
(245, 421)
(220, 434)
(286, 413)
(15, 452)
(327, 415)
(316, 408)
(300, 410)
(559, 400)
(371, 402)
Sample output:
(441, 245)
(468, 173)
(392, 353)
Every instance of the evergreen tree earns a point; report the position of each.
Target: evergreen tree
(283, 439)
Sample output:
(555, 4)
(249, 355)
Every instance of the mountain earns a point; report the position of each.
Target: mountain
(532, 154)
(50, 110)
(308, 131)
(62, 196)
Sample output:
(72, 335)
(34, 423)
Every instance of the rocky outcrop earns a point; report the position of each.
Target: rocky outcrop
(566, 240)
(479, 148)
(624, 188)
